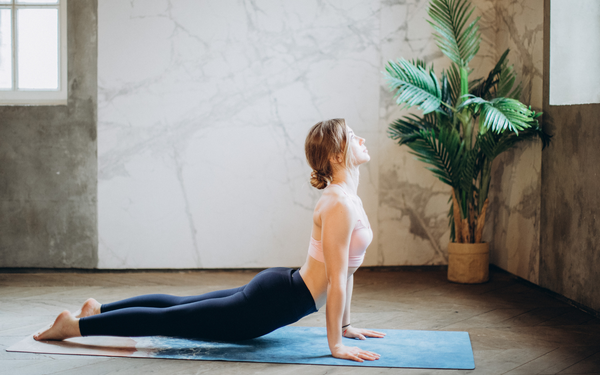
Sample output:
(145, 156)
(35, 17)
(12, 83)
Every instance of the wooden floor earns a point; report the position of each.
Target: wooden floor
(515, 327)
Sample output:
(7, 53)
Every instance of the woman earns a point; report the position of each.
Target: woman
(275, 297)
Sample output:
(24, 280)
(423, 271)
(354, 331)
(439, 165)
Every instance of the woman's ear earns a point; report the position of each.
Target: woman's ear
(336, 159)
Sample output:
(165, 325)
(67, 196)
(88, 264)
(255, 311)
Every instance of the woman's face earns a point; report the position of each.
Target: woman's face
(358, 148)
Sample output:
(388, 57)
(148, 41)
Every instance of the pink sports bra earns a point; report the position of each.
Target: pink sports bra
(361, 238)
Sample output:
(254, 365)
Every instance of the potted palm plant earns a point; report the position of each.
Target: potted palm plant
(466, 123)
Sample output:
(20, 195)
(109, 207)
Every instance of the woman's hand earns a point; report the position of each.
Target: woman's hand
(353, 353)
(361, 334)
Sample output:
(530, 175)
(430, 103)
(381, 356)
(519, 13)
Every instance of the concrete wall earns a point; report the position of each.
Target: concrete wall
(48, 165)
(513, 227)
(570, 225)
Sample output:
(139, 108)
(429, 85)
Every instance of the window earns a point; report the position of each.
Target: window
(574, 52)
(33, 52)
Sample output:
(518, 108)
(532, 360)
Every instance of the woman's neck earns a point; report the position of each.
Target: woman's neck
(348, 178)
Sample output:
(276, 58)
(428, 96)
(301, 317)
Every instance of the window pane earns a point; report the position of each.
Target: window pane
(37, 1)
(574, 52)
(5, 49)
(37, 34)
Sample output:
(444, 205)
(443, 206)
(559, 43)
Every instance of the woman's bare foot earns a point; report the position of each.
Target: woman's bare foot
(65, 326)
(89, 308)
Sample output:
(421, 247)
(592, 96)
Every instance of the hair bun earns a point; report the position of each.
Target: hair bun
(318, 180)
(326, 139)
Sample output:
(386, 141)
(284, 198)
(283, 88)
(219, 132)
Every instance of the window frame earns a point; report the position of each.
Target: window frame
(14, 96)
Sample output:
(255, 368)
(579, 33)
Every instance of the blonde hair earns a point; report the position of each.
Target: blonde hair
(326, 139)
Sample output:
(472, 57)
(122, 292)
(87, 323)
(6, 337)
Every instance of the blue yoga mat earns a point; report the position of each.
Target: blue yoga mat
(292, 344)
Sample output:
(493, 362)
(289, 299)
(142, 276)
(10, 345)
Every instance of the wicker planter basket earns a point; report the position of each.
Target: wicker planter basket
(468, 263)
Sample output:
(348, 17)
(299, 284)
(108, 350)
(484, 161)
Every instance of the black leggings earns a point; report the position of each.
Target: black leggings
(274, 298)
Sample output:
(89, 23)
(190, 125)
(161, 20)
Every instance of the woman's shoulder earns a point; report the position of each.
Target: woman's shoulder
(334, 200)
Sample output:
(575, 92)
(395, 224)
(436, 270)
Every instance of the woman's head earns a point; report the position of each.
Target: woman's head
(330, 145)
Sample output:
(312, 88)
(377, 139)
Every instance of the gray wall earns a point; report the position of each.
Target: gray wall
(569, 251)
(513, 221)
(48, 164)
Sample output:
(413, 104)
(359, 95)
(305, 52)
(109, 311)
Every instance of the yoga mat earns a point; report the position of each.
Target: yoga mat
(291, 344)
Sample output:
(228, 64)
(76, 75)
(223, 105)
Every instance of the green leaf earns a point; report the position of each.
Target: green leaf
(407, 129)
(443, 152)
(451, 221)
(500, 114)
(493, 144)
(506, 80)
(413, 85)
(448, 18)
(446, 96)
(485, 87)
(420, 63)
(454, 82)
(468, 170)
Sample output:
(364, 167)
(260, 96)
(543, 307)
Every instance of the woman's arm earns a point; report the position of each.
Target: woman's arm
(349, 331)
(336, 228)
(349, 286)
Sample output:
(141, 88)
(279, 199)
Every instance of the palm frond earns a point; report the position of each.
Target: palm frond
(493, 144)
(432, 120)
(506, 80)
(500, 114)
(484, 88)
(544, 136)
(454, 82)
(420, 63)
(413, 85)
(446, 96)
(468, 170)
(489, 142)
(473, 84)
(449, 18)
(407, 129)
(451, 221)
(443, 152)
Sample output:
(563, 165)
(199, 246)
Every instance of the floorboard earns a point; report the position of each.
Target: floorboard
(515, 328)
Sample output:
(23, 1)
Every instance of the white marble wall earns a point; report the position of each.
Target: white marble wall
(413, 228)
(203, 111)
